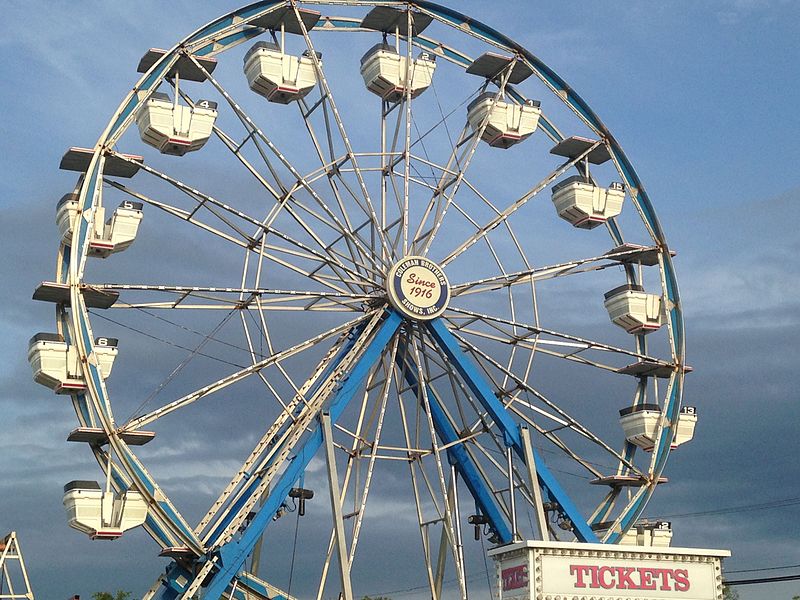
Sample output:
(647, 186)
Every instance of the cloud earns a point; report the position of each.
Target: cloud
(738, 271)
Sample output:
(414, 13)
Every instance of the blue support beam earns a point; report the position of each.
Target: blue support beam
(254, 481)
(458, 456)
(231, 556)
(483, 393)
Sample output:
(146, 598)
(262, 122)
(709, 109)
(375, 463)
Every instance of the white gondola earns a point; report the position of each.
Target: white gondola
(120, 230)
(115, 235)
(507, 123)
(636, 311)
(586, 205)
(384, 72)
(648, 534)
(661, 534)
(628, 538)
(55, 363)
(102, 515)
(640, 424)
(278, 76)
(173, 128)
(66, 216)
(687, 421)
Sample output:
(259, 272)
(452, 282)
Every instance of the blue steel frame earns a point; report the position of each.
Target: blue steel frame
(458, 456)
(255, 479)
(483, 392)
(232, 556)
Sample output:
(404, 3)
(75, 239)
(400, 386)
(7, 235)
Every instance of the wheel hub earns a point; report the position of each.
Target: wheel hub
(418, 288)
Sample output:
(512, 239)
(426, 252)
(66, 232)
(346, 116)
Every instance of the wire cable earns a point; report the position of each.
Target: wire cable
(762, 569)
(734, 509)
(762, 580)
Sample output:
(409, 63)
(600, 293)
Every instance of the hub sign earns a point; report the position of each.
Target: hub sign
(418, 288)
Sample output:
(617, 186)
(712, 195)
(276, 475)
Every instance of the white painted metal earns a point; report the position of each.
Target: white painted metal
(56, 364)
(174, 128)
(336, 508)
(67, 211)
(586, 205)
(636, 311)
(661, 535)
(534, 570)
(115, 235)
(120, 230)
(14, 582)
(641, 424)
(687, 421)
(645, 533)
(278, 76)
(533, 484)
(507, 123)
(102, 514)
(384, 72)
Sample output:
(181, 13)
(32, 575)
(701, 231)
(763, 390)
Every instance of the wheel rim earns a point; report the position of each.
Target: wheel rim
(360, 256)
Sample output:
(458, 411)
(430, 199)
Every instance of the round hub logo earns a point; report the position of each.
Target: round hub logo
(418, 288)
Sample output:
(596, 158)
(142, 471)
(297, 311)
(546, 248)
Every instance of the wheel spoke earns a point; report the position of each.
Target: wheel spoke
(441, 198)
(514, 206)
(329, 100)
(578, 343)
(609, 259)
(207, 390)
(257, 132)
(243, 298)
(341, 271)
(573, 423)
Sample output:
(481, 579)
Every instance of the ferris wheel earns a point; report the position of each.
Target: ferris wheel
(376, 249)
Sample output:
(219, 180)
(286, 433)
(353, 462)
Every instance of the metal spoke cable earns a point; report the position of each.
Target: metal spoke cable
(165, 341)
(182, 365)
(189, 330)
(435, 125)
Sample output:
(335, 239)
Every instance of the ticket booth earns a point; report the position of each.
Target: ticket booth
(535, 570)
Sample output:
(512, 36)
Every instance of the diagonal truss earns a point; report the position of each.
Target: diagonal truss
(331, 392)
(14, 582)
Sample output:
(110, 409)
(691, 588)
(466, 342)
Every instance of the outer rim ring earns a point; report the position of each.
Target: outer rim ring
(71, 261)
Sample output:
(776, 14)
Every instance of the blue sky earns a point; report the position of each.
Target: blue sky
(703, 97)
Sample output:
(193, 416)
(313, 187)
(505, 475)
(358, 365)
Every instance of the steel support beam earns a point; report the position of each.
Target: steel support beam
(497, 411)
(530, 462)
(336, 507)
(457, 455)
(231, 557)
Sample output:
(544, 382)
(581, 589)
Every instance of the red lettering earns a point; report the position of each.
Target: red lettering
(579, 571)
(646, 575)
(593, 571)
(624, 581)
(606, 585)
(515, 577)
(681, 577)
(413, 279)
(622, 578)
(665, 573)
